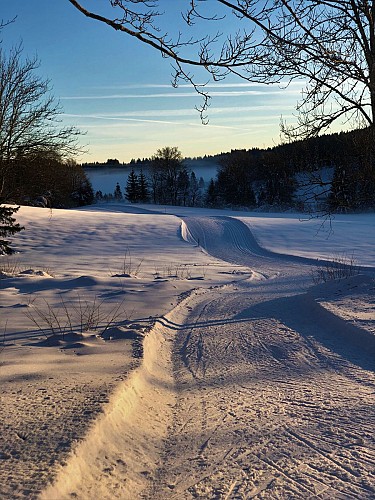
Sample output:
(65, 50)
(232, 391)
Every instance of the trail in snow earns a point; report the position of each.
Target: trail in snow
(273, 396)
(264, 409)
(231, 240)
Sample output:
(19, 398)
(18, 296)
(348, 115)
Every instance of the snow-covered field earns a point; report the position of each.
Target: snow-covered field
(211, 365)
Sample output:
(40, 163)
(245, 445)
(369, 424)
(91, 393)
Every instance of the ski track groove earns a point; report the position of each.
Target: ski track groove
(308, 443)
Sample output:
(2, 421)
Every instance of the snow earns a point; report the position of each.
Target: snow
(212, 366)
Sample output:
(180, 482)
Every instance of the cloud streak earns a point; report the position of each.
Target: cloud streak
(236, 93)
(119, 119)
(208, 85)
(188, 112)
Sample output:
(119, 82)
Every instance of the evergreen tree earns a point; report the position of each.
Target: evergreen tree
(144, 193)
(194, 189)
(132, 187)
(8, 227)
(117, 192)
(235, 177)
(79, 187)
(108, 197)
(353, 183)
(342, 195)
(183, 185)
(211, 195)
(278, 180)
(83, 194)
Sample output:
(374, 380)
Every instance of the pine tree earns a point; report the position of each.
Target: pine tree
(144, 193)
(183, 185)
(194, 189)
(8, 227)
(235, 177)
(278, 180)
(211, 195)
(132, 187)
(117, 193)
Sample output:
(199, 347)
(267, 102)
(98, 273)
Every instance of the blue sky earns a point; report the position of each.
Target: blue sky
(119, 91)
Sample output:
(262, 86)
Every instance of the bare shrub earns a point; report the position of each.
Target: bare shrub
(85, 315)
(180, 271)
(340, 266)
(9, 266)
(128, 267)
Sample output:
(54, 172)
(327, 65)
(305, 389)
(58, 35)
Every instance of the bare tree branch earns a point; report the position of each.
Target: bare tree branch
(329, 44)
(29, 115)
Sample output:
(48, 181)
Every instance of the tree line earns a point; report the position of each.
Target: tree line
(167, 182)
(285, 176)
(291, 174)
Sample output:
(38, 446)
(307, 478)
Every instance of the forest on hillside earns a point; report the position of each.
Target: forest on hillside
(331, 173)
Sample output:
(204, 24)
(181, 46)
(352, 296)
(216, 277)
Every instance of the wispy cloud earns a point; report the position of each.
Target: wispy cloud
(119, 119)
(116, 118)
(209, 85)
(127, 96)
(181, 112)
(176, 94)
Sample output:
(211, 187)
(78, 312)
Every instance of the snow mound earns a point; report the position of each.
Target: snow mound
(54, 340)
(360, 284)
(83, 281)
(186, 234)
(120, 333)
(255, 276)
(34, 272)
(351, 300)
(230, 240)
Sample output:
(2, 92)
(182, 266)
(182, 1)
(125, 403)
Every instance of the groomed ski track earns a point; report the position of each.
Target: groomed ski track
(257, 392)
